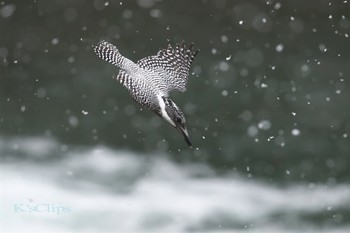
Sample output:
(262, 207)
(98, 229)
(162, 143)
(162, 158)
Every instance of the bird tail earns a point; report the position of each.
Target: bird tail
(109, 53)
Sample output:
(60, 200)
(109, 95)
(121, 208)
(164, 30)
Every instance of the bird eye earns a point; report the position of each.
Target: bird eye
(178, 120)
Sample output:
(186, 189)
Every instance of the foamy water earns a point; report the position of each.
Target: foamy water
(49, 187)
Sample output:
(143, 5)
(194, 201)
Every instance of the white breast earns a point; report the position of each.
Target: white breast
(162, 108)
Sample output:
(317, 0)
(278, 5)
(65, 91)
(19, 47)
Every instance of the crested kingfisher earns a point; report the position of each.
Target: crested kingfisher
(150, 80)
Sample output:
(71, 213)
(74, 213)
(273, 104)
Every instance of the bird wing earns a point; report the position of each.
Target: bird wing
(172, 65)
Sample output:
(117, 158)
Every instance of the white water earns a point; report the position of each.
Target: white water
(48, 187)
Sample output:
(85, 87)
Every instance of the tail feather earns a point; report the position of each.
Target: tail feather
(111, 54)
(108, 52)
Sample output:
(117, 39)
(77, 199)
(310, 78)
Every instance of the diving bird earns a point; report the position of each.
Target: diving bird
(150, 80)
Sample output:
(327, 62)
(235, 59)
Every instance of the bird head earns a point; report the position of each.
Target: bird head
(172, 114)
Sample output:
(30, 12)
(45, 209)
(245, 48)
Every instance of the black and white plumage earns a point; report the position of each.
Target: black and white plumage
(150, 80)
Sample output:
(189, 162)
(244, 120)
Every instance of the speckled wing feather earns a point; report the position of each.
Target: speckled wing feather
(172, 65)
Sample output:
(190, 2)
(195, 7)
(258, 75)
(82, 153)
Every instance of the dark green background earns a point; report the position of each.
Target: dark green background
(49, 76)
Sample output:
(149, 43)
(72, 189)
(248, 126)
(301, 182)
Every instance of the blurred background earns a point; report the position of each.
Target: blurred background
(267, 108)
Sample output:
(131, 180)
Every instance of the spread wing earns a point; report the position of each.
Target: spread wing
(172, 65)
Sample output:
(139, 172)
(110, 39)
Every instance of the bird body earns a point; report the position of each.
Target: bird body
(150, 80)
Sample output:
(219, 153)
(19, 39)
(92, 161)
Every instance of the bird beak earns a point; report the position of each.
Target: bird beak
(184, 132)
